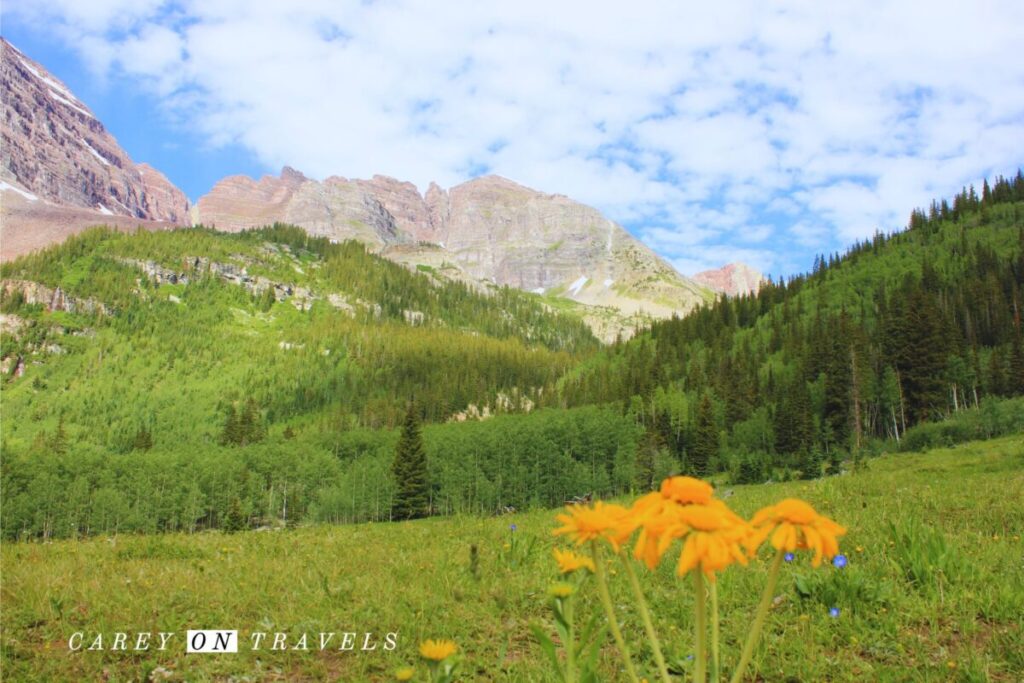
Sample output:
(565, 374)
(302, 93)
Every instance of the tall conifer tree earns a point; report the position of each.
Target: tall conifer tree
(412, 495)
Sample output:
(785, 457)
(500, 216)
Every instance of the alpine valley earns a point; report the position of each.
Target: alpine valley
(316, 406)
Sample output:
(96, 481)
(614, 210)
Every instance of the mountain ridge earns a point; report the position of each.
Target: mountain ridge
(62, 171)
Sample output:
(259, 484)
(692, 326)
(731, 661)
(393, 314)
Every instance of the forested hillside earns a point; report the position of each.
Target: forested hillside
(190, 379)
(902, 329)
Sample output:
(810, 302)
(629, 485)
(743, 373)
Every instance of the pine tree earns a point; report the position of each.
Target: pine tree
(410, 471)
(143, 440)
(706, 446)
(234, 520)
(58, 442)
(1015, 380)
(229, 434)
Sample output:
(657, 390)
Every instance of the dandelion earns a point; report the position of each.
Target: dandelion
(833, 612)
(437, 650)
(839, 561)
(796, 526)
(405, 673)
(569, 562)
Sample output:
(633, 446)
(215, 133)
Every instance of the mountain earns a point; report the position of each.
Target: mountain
(489, 229)
(731, 279)
(61, 170)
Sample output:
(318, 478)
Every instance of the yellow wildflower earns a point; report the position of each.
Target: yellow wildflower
(602, 521)
(437, 650)
(405, 673)
(796, 525)
(714, 541)
(686, 491)
(684, 509)
(568, 561)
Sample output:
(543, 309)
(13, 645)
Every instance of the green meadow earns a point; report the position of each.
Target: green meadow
(933, 590)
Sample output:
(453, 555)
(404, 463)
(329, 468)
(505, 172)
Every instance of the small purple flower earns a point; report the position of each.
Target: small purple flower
(839, 561)
(689, 656)
(788, 557)
(833, 612)
(513, 528)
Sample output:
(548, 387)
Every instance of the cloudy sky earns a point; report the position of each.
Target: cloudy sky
(758, 131)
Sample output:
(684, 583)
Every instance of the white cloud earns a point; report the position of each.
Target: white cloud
(694, 125)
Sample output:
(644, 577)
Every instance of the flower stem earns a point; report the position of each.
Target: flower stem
(699, 627)
(609, 610)
(762, 611)
(715, 664)
(645, 615)
(570, 647)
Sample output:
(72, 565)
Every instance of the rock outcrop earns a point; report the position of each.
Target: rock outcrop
(732, 279)
(51, 298)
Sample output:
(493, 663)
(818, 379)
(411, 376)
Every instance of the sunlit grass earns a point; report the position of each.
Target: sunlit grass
(902, 617)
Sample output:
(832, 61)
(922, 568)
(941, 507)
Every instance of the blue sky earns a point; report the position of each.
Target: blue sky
(753, 131)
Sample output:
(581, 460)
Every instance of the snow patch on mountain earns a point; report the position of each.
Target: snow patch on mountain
(576, 286)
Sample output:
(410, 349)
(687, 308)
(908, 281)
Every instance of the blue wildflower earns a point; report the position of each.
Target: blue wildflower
(788, 557)
(833, 612)
(839, 561)
(513, 528)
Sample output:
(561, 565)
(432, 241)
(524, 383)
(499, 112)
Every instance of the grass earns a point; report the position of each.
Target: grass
(934, 589)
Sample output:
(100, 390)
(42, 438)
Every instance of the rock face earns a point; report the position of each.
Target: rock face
(55, 148)
(491, 229)
(732, 279)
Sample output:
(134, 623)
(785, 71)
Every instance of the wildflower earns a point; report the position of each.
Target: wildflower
(437, 650)
(602, 521)
(713, 541)
(796, 526)
(568, 561)
(404, 674)
(686, 491)
(951, 664)
(789, 557)
(833, 612)
(560, 590)
(513, 528)
(859, 549)
(839, 561)
(684, 509)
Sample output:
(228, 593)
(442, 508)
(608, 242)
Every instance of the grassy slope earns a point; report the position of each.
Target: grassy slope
(413, 577)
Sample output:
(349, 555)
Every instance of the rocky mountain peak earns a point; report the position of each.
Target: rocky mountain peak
(291, 176)
(56, 149)
(732, 279)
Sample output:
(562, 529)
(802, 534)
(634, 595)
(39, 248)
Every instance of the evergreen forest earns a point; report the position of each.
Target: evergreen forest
(190, 379)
